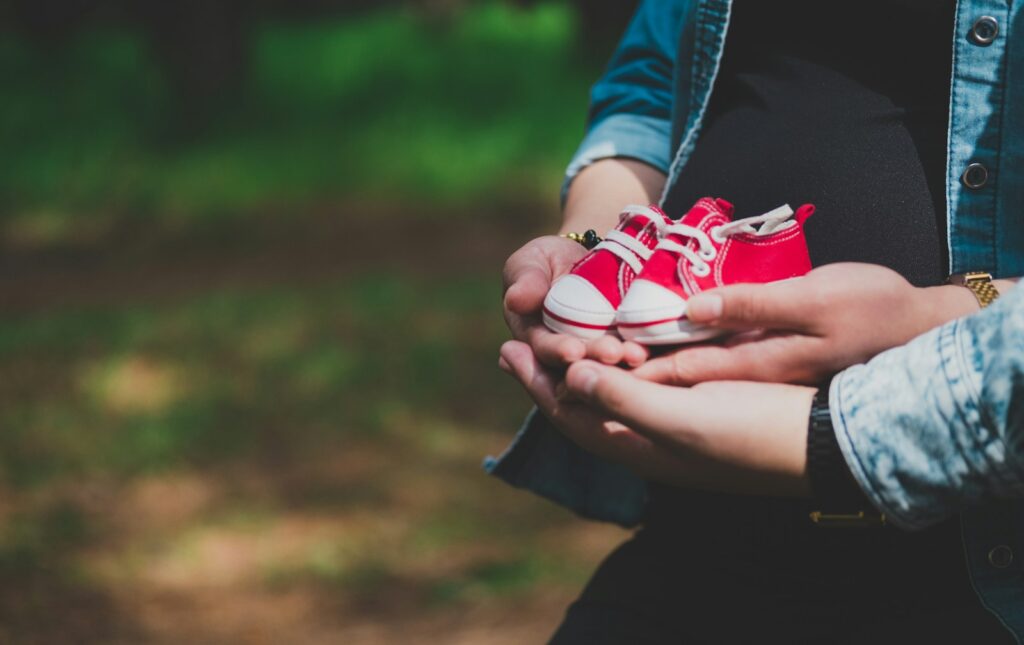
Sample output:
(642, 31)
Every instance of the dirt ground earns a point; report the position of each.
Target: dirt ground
(296, 519)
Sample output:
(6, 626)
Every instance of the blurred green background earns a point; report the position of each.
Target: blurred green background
(250, 283)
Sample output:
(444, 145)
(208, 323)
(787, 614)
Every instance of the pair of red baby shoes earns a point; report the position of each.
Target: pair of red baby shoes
(637, 280)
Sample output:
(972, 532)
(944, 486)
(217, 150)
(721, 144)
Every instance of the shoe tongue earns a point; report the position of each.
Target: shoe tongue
(707, 206)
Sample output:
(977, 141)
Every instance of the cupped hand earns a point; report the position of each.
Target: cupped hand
(528, 274)
(588, 428)
(731, 436)
(696, 437)
(806, 329)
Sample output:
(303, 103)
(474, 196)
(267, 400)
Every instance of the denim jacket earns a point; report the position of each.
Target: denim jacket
(929, 429)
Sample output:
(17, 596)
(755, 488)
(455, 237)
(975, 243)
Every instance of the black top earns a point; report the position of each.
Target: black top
(844, 105)
(841, 104)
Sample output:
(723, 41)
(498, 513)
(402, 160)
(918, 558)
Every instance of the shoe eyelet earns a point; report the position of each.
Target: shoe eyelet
(701, 270)
(716, 234)
(707, 254)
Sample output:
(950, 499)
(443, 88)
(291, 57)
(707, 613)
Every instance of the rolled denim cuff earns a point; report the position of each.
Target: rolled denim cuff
(907, 423)
(899, 421)
(643, 138)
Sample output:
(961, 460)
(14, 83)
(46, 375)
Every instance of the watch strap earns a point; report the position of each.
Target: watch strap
(832, 483)
(830, 477)
(980, 284)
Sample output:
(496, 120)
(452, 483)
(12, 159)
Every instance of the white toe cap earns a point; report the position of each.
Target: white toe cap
(577, 299)
(646, 301)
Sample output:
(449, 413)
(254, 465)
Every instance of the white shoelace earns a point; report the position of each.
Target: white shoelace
(705, 253)
(631, 250)
(634, 253)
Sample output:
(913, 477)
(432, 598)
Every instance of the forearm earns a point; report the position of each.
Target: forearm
(600, 191)
(757, 447)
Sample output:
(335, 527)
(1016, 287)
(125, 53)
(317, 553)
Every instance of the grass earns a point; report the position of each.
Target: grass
(157, 386)
(321, 440)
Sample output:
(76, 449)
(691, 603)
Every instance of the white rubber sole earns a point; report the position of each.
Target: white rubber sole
(586, 331)
(667, 332)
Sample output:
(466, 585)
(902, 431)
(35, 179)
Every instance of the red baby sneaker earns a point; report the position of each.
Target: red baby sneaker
(583, 302)
(703, 251)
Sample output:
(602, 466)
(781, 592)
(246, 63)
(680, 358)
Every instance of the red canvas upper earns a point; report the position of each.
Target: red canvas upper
(741, 257)
(606, 271)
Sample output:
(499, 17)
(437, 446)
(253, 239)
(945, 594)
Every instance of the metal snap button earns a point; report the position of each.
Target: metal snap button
(984, 30)
(975, 177)
(1001, 556)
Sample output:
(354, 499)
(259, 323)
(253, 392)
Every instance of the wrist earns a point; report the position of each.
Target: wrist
(1004, 285)
(947, 302)
(600, 191)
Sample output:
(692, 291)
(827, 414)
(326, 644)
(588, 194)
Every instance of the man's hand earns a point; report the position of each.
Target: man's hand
(697, 437)
(528, 275)
(805, 330)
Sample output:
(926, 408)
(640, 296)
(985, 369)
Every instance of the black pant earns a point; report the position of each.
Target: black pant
(721, 569)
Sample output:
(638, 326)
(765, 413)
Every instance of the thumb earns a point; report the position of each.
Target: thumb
(779, 305)
(649, 408)
(527, 286)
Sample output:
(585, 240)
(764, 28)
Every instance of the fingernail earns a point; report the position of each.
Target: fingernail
(705, 307)
(503, 364)
(588, 381)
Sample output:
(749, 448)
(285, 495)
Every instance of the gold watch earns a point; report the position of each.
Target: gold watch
(980, 284)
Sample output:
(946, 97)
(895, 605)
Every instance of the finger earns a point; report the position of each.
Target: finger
(563, 395)
(634, 354)
(782, 358)
(503, 364)
(695, 365)
(525, 294)
(530, 373)
(788, 305)
(649, 408)
(606, 349)
(589, 428)
(554, 350)
(522, 326)
(580, 422)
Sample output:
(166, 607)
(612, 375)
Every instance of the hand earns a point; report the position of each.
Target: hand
(528, 275)
(594, 432)
(805, 330)
(694, 437)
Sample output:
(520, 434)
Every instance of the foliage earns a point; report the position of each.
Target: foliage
(388, 105)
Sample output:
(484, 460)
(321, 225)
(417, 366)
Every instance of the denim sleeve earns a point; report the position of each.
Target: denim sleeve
(631, 105)
(938, 424)
(542, 460)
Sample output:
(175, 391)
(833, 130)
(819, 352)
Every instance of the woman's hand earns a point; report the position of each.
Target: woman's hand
(595, 198)
(805, 330)
(527, 277)
(735, 437)
(528, 274)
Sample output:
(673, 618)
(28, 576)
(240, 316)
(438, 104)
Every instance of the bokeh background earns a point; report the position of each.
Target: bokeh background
(250, 260)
